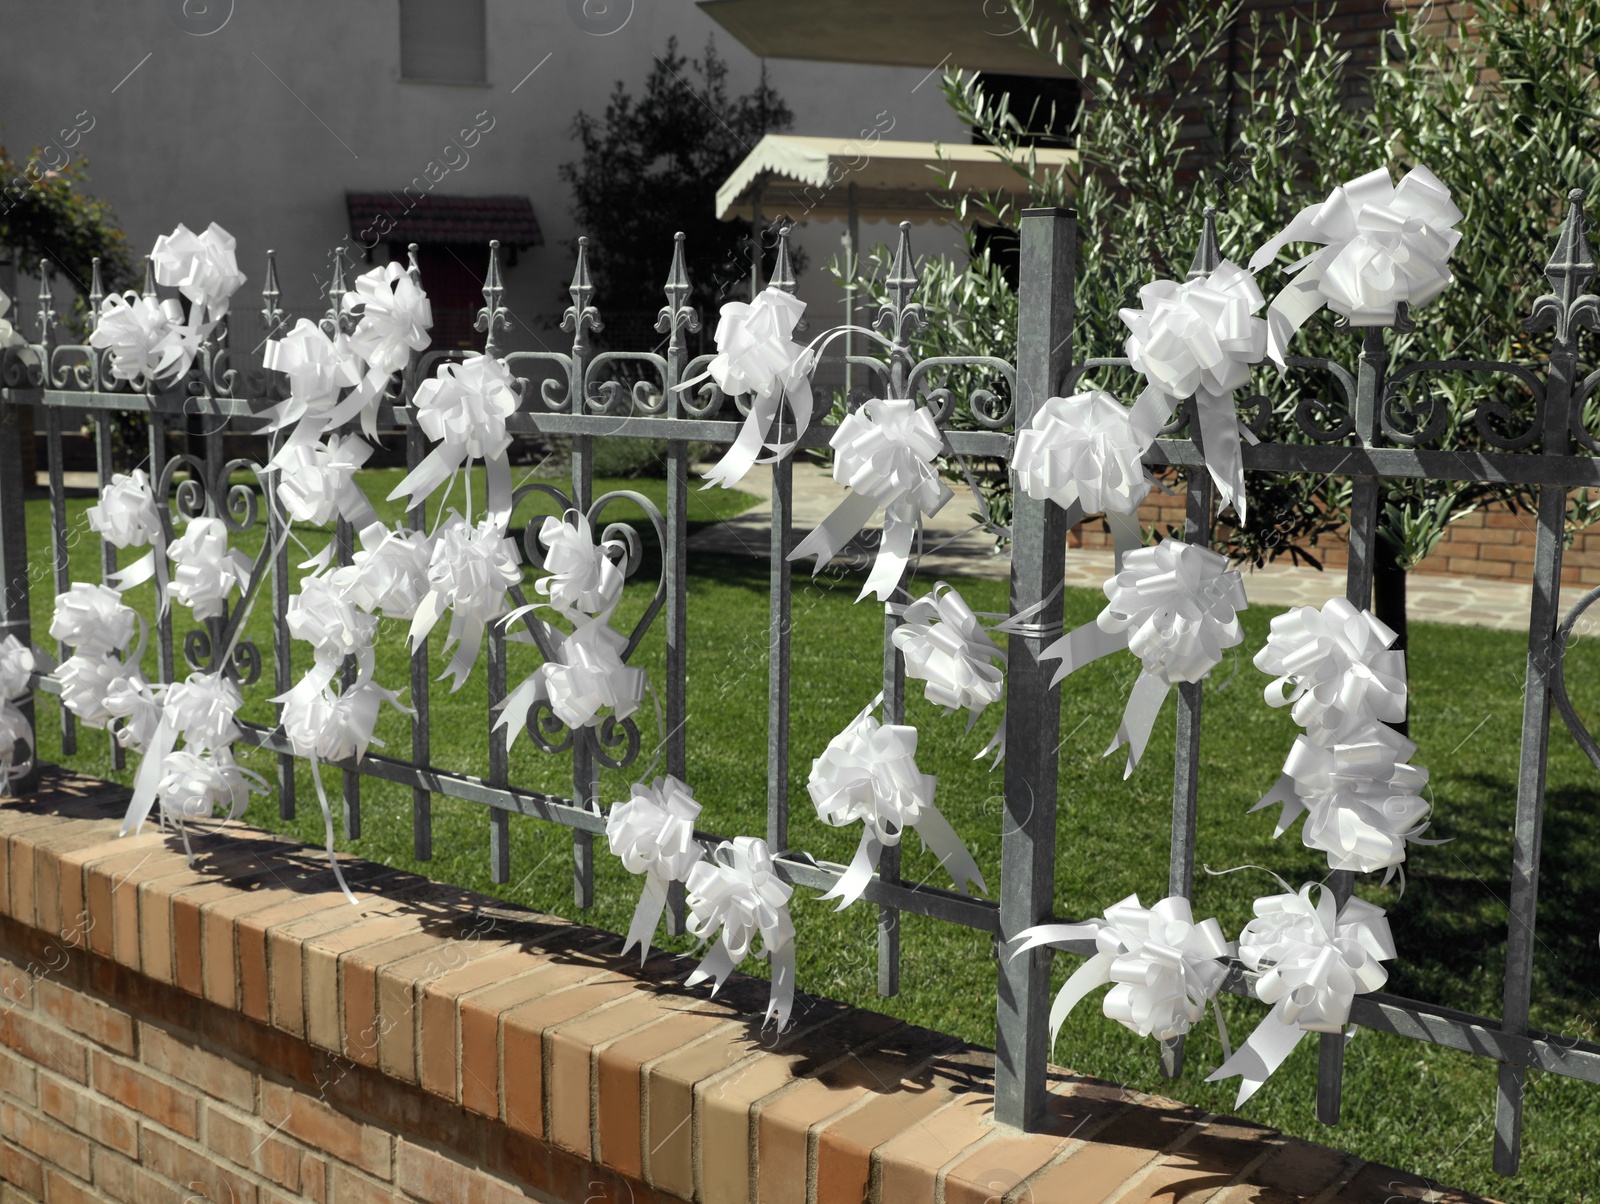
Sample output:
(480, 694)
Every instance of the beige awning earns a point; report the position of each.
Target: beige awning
(893, 33)
(818, 179)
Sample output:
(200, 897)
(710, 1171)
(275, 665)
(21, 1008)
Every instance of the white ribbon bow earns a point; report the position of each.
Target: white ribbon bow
(129, 698)
(734, 895)
(86, 679)
(946, 647)
(1199, 338)
(16, 677)
(1315, 961)
(127, 516)
(653, 833)
(469, 571)
(16, 668)
(1334, 668)
(201, 712)
(1382, 245)
(757, 354)
(1174, 606)
(317, 480)
(388, 574)
(586, 678)
(585, 577)
(146, 337)
(207, 569)
(1165, 965)
(884, 452)
(8, 333)
(869, 773)
(464, 410)
(1082, 453)
(93, 619)
(318, 367)
(395, 319)
(196, 784)
(200, 266)
(326, 618)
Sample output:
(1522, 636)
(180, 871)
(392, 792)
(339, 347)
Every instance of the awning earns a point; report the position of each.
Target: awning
(893, 33)
(401, 217)
(817, 179)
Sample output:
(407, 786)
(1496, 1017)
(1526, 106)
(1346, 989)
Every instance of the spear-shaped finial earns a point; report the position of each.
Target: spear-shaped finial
(1207, 258)
(677, 315)
(149, 290)
(97, 292)
(47, 313)
(271, 314)
(412, 266)
(580, 314)
(493, 315)
(902, 282)
(783, 269)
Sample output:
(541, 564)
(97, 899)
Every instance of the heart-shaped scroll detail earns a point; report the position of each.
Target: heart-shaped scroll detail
(1558, 683)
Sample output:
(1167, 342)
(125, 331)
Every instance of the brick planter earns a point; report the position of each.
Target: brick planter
(235, 1031)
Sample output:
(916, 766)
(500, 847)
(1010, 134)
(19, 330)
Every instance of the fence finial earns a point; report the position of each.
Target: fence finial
(493, 315)
(903, 277)
(97, 292)
(149, 279)
(336, 291)
(271, 314)
(47, 313)
(783, 270)
(1570, 270)
(580, 314)
(1207, 257)
(677, 315)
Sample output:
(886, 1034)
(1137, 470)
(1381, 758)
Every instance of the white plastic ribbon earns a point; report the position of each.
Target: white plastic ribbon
(1082, 452)
(1174, 606)
(1382, 244)
(388, 574)
(1199, 338)
(86, 679)
(8, 333)
(16, 677)
(127, 516)
(1334, 668)
(653, 833)
(201, 712)
(946, 647)
(585, 577)
(317, 480)
(93, 619)
(195, 784)
(327, 619)
(735, 895)
(146, 337)
(869, 773)
(1165, 966)
(469, 571)
(1315, 958)
(395, 319)
(464, 409)
(129, 698)
(207, 569)
(16, 668)
(884, 452)
(200, 266)
(318, 368)
(757, 354)
(586, 679)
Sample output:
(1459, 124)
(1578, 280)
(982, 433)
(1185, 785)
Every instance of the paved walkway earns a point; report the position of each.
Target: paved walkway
(955, 548)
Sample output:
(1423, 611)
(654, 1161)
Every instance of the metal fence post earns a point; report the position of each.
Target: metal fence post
(1033, 707)
(14, 618)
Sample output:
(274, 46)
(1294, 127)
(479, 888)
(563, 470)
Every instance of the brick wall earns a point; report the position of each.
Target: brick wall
(232, 1031)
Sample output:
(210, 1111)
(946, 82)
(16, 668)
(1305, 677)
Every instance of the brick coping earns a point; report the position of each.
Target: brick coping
(500, 1040)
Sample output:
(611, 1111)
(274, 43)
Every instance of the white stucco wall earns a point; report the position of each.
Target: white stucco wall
(264, 124)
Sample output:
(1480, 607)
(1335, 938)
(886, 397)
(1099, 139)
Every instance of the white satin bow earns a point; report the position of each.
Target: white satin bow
(1199, 338)
(585, 578)
(395, 317)
(884, 452)
(587, 676)
(16, 678)
(200, 266)
(93, 619)
(129, 698)
(316, 480)
(1315, 958)
(1165, 965)
(653, 833)
(318, 368)
(146, 337)
(207, 569)
(1082, 453)
(16, 668)
(201, 712)
(464, 409)
(945, 646)
(869, 773)
(127, 516)
(196, 784)
(325, 617)
(735, 895)
(1382, 245)
(1334, 668)
(86, 679)
(757, 354)
(468, 574)
(388, 574)
(1174, 606)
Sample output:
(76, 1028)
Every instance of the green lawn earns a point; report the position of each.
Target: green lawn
(1422, 1108)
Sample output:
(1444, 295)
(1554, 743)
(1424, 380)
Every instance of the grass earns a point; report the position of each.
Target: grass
(1422, 1108)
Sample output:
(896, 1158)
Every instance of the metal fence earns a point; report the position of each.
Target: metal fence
(1367, 435)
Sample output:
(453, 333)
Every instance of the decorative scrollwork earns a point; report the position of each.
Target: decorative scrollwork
(197, 648)
(982, 402)
(543, 725)
(613, 396)
(242, 504)
(706, 399)
(1311, 410)
(1558, 685)
(1580, 412)
(246, 663)
(612, 733)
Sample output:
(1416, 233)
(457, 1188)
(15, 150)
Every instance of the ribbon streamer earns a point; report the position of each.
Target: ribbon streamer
(207, 569)
(468, 574)
(1315, 958)
(735, 895)
(653, 833)
(464, 409)
(127, 516)
(884, 453)
(1166, 966)
(1174, 606)
(1382, 245)
(1199, 339)
(1082, 451)
(946, 647)
(869, 773)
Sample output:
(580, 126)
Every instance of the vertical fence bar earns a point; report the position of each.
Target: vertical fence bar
(104, 462)
(779, 604)
(14, 617)
(1186, 758)
(1567, 308)
(344, 538)
(272, 318)
(58, 550)
(490, 318)
(582, 317)
(165, 666)
(1033, 705)
(417, 520)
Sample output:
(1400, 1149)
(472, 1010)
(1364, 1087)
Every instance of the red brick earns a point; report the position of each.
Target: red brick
(19, 1079)
(480, 1029)
(116, 1178)
(250, 944)
(439, 1040)
(51, 1049)
(94, 1118)
(522, 1032)
(247, 1143)
(180, 1058)
(398, 990)
(909, 1164)
(431, 1176)
(16, 982)
(193, 1169)
(133, 1088)
(286, 956)
(83, 1014)
(351, 1188)
(104, 877)
(21, 1168)
(621, 1090)
(320, 956)
(844, 1146)
(47, 850)
(45, 1139)
(63, 1189)
(322, 1127)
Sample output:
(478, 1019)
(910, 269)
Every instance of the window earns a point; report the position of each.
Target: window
(1045, 106)
(443, 42)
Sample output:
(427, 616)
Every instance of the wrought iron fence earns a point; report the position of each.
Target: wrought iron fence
(1368, 436)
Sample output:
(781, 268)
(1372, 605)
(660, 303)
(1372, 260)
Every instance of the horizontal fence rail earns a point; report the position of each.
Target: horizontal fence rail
(1368, 434)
